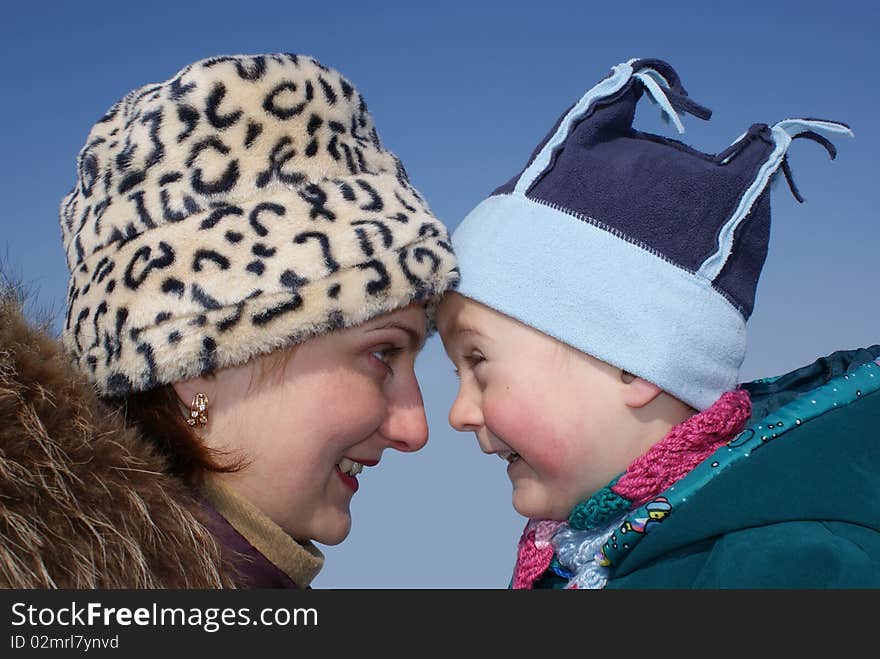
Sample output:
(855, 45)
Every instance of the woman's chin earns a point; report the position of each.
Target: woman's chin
(333, 531)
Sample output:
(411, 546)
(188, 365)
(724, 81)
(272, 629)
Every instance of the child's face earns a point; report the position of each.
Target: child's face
(551, 411)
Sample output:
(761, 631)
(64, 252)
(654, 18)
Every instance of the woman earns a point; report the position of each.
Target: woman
(252, 276)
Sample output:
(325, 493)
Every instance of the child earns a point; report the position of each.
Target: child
(598, 333)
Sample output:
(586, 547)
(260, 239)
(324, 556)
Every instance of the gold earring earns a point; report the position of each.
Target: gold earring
(198, 410)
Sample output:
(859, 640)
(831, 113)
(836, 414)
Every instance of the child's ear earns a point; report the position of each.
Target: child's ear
(637, 391)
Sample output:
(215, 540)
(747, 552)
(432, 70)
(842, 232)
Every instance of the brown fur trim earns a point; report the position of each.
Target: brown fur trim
(85, 502)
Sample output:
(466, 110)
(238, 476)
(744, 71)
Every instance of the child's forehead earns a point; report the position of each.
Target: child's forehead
(459, 315)
(453, 311)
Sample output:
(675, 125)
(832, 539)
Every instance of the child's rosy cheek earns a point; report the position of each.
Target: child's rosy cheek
(524, 426)
(508, 418)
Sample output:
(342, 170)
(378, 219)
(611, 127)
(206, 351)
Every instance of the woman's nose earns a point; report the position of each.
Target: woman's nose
(406, 426)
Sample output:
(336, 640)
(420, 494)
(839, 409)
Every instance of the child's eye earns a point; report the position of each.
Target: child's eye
(474, 358)
(469, 361)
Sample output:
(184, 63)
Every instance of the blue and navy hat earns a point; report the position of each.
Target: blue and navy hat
(632, 247)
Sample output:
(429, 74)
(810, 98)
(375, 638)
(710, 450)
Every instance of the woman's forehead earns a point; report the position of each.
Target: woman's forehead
(414, 314)
(411, 319)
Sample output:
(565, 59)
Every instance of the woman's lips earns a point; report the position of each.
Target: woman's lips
(348, 469)
(349, 481)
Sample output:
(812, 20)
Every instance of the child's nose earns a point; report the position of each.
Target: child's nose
(465, 415)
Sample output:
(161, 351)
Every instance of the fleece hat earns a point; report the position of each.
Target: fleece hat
(632, 247)
(242, 206)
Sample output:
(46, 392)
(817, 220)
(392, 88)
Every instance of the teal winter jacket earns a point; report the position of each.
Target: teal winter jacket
(798, 508)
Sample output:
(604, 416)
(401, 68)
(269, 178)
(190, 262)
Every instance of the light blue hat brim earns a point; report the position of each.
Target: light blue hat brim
(601, 294)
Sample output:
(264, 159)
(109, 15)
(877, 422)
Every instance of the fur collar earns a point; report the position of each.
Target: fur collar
(85, 502)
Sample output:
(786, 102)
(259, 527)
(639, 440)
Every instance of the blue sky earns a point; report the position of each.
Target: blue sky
(462, 91)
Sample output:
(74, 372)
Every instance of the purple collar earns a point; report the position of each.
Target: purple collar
(253, 569)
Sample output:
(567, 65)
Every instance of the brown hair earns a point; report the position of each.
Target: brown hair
(158, 414)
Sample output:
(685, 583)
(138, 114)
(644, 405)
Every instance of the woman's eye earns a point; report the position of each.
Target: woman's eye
(474, 358)
(385, 355)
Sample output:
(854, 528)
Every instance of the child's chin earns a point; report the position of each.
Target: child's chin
(529, 508)
(528, 505)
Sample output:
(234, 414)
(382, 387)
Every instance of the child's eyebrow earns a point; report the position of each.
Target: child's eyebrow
(468, 329)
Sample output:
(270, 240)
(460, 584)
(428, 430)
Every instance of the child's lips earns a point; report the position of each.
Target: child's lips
(510, 456)
(512, 459)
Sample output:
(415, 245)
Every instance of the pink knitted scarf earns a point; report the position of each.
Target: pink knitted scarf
(665, 463)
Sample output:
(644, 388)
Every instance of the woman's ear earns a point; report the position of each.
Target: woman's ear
(187, 389)
(637, 391)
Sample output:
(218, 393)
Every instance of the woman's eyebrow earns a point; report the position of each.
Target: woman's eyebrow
(416, 338)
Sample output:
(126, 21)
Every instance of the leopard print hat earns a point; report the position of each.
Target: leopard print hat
(242, 206)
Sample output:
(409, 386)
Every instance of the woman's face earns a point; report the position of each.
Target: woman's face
(306, 423)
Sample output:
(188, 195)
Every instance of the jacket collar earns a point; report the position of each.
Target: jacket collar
(265, 554)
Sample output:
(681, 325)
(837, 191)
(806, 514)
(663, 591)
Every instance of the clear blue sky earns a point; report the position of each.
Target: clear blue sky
(462, 91)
